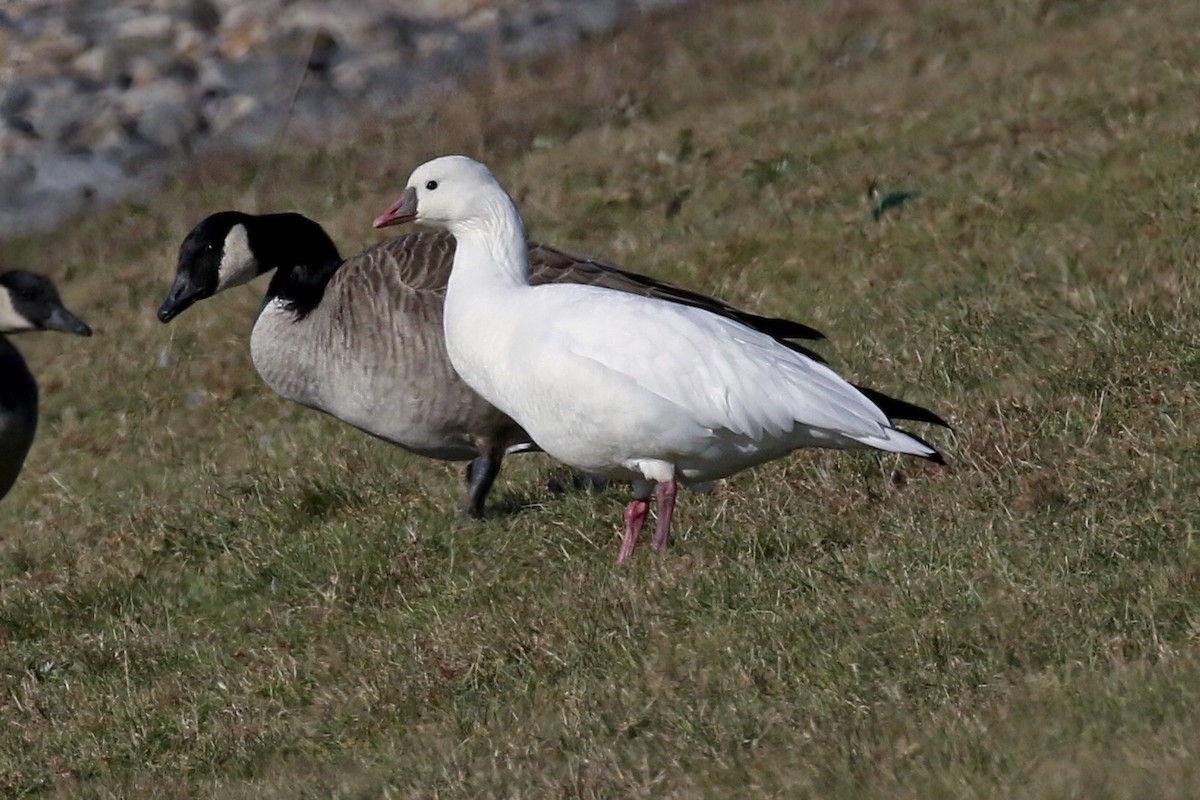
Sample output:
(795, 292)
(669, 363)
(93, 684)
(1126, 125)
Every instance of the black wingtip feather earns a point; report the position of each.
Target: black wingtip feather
(780, 328)
(935, 457)
(894, 408)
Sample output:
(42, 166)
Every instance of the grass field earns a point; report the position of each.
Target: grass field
(206, 591)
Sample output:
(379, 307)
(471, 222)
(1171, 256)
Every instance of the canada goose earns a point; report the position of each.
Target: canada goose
(28, 302)
(361, 339)
(624, 386)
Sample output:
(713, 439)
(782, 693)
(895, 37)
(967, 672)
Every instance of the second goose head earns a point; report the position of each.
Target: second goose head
(29, 302)
(230, 248)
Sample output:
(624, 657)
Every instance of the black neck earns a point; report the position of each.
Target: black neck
(301, 253)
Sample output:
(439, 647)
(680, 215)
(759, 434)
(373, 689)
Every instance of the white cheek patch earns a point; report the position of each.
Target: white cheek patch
(238, 264)
(10, 320)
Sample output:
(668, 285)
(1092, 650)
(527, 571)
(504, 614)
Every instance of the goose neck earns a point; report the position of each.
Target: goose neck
(304, 259)
(302, 286)
(492, 246)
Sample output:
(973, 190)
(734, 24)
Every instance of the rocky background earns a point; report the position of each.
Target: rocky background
(98, 97)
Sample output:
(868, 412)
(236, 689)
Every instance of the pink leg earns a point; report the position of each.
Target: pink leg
(635, 517)
(664, 495)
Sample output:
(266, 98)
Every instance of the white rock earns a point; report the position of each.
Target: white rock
(354, 76)
(222, 113)
(244, 27)
(191, 43)
(346, 22)
(485, 21)
(148, 28)
(140, 99)
(443, 9)
(98, 63)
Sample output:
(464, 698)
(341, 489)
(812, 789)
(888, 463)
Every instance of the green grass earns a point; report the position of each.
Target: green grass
(206, 591)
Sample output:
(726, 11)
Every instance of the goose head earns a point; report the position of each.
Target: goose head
(230, 248)
(216, 255)
(452, 192)
(29, 302)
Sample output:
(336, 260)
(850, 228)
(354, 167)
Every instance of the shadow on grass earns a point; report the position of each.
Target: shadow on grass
(244, 507)
(559, 485)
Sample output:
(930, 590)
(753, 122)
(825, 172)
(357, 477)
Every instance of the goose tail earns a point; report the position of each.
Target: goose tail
(895, 440)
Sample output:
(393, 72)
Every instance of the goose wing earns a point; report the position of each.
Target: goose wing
(418, 262)
(724, 374)
(550, 265)
(422, 262)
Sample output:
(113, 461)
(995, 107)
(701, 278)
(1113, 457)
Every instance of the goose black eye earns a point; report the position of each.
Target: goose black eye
(431, 185)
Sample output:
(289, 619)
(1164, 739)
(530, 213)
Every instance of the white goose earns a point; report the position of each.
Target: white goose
(624, 386)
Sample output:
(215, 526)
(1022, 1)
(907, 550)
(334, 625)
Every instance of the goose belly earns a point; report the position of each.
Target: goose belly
(575, 415)
(650, 437)
(386, 386)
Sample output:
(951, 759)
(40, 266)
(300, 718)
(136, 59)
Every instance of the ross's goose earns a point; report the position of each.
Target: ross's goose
(28, 302)
(620, 385)
(361, 338)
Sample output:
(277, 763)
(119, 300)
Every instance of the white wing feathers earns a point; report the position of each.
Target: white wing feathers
(724, 374)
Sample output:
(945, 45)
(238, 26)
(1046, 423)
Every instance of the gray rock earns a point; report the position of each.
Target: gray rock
(597, 16)
(16, 98)
(10, 24)
(355, 76)
(59, 108)
(161, 113)
(17, 173)
(202, 14)
(102, 133)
